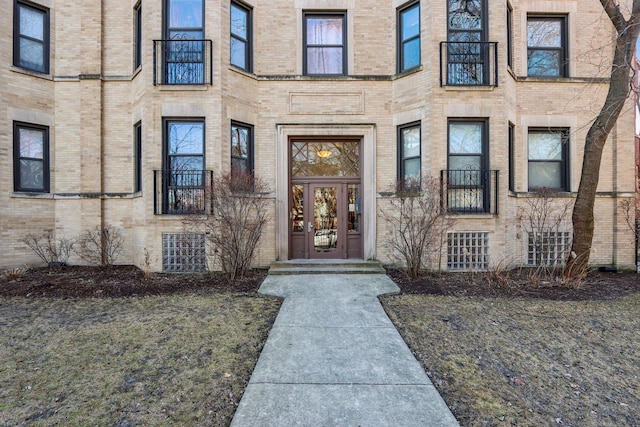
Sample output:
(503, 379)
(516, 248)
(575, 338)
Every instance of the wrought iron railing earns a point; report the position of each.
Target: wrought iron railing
(469, 191)
(182, 192)
(182, 62)
(468, 63)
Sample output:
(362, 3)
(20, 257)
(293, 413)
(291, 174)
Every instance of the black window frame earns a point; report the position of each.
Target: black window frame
(17, 36)
(470, 50)
(250, 148)
(46, 167)
(137, 157)
(305, 46)
(183, 53)
(402, 158)
(248, 41)
(137, 43)
(402, 41)
(468, 178)
(564, 162)
(512, 156)
(484, 144)
(509, 35)
(563, 50)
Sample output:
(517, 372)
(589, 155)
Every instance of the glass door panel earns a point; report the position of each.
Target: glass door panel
(325, 218)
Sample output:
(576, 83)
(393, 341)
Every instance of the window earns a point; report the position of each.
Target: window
(31, 36)
(137, 157)
(409, 37)
(467, 48)
(509, 35)
(325, 49)
(546, 46)
(468, 250)
(467, 179)
(30, 158)
(548, 154)
(511, 147)
(548, 248)
(409, 164)
(241, 149)
(184, 47)
(184, 252)
(137, 48)
(184, 175)
(241, 36)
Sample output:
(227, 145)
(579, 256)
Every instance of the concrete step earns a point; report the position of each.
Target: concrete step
(332, 266)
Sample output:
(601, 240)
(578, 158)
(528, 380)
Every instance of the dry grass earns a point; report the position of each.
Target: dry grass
(500, 362)
(166, 360)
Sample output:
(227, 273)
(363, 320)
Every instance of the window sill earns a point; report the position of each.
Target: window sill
(27, 195)
(31, 73)
(242, 71)
(182, 88)
(470, 215)
(474, 88)
(534, 79)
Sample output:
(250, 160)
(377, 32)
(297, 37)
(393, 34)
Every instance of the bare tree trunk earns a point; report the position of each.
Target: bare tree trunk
(620, 86)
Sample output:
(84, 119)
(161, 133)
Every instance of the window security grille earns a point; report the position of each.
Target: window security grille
(183, 252)
(548, 248)
(468, 250)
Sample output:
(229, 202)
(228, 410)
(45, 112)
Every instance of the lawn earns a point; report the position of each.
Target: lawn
(527, 362)
(164, 360)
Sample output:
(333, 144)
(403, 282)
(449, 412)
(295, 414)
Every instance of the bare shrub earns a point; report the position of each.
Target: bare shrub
(237, 219)
(418, 225)
(545, 223)
(100, 246)
(13, 273)
(50, 249)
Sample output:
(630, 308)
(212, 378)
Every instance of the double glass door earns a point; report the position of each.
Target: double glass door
(325, 220)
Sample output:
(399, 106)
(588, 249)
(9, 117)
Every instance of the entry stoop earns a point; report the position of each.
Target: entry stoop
(329, 266)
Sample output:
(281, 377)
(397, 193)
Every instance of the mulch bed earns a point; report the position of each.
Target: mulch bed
(126, 280)
(121, 281)
(596, 285)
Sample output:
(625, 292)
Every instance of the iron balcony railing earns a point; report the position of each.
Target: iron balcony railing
(182, 192)
(182, 62)
(469, 191)
(468, 63)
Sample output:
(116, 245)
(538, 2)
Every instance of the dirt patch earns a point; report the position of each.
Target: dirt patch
(121, 281)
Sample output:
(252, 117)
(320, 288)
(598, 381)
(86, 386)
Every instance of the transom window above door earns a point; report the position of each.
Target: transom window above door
(339, 158)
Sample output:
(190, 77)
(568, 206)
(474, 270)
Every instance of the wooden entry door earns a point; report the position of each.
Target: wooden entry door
(326, 220)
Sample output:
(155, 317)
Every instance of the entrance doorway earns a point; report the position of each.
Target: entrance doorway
(325, 200)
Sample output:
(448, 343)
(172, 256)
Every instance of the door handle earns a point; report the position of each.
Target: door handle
(309, 227)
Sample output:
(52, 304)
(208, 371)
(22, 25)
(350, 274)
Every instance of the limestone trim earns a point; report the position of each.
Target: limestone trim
(368, 134)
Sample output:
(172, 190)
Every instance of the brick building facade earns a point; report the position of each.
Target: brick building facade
(119, 112)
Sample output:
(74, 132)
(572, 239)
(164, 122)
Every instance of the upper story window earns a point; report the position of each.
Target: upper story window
(509, 35)
(547, 46)
(409, 36)
(548, 158)
(184, 54)
(241, 149)
(325, 43)
(30, 158)
(137, 47)
(468, 52)
(240, 42)
(409, 149)
(31, 36)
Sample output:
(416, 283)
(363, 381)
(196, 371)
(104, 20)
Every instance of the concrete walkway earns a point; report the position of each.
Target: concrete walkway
(333, 358)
